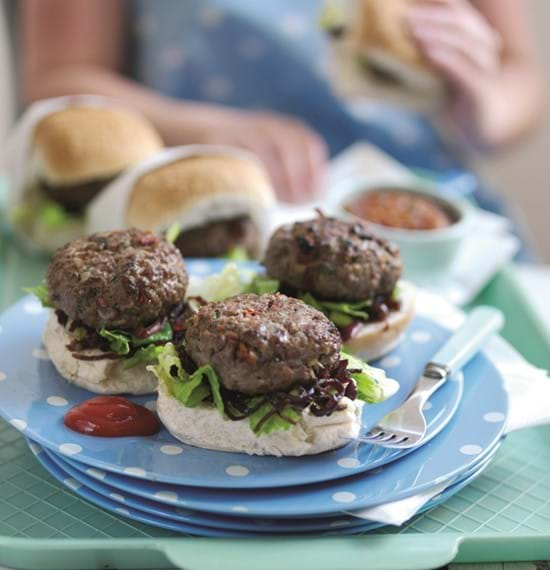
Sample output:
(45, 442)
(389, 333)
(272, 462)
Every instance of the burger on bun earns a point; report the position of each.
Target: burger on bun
(116, 299)
(264, 375)
(218, 198)
(73, 153)
(345, 271)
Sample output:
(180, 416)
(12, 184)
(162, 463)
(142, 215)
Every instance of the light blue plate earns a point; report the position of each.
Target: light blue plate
(180, 514)
(474, 430)
(35, 398)
(339, 525)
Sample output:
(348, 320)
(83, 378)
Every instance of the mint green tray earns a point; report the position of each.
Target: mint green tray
(503, 516)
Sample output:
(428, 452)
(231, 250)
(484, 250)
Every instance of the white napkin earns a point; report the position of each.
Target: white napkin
(528, 390)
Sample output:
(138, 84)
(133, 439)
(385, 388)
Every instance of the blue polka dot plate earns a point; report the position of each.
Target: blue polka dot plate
(472, 433)
(75, 479)
(200, 524)
(34, 398)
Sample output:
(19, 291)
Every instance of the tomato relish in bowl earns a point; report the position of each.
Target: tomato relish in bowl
(427, 227)
(401, 209)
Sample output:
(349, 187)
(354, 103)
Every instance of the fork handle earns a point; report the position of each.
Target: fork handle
(479, 325)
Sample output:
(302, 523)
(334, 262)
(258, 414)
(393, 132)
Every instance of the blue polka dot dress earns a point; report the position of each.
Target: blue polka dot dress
(271, 56)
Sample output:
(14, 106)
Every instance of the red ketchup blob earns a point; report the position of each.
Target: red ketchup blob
(112, 416)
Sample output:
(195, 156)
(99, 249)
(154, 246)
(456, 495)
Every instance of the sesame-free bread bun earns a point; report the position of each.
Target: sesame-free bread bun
(79, 144)
(207, 428)
(197, 189)
(98, 376)
(374, 340)
(382, 35)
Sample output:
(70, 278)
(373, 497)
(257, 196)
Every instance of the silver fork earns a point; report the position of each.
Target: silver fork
(406, 427)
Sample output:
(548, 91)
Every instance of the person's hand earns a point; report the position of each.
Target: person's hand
(457, 40)
(460, 43)
(293, 154)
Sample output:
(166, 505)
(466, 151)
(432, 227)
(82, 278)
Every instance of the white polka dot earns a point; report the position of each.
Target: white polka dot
(493, 417)
(349, 462)
(35, 448)
(33, 307)
(337, 524)
(293, 25)
(168, 496)
(237, 471)
(421, 336)
(210, 17)
(117, 497)
(19, 424)
(390, 361)
(171, 449)
(124, 512)
(57, 401)
(199, 268)
(471, 449)
(135, 471)
(251, 48)
(171, 57)
(72, 484)
(344, 497)
(96, 473)
(3, 376)
(427, 406)
(70, 449)
(151, 405)
(217, 87)
(40, 353)
(239, 509)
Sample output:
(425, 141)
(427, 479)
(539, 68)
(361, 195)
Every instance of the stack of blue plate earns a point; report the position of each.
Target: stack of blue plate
(163, 482)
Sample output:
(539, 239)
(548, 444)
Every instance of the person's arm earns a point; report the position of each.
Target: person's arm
(77, 46)
(484, 48)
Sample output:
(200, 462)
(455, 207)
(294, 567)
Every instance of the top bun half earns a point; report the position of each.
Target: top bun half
(198, 188)
(382, 25)
(80, 144)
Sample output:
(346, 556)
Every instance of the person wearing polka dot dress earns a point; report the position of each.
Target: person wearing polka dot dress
(235, 72)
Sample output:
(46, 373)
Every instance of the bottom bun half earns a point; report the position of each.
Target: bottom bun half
(374, 340)
(99, 376)
(207, 428)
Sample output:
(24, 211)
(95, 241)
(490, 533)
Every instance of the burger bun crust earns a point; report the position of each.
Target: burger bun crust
(98, 376)
(208, 429)
(374, 340)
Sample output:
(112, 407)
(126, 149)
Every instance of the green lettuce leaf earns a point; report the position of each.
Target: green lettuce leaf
(341, 314)
(48, 214)
(122, 343)
(168, 368)
(41, 291)
(142, 356)
(165, 334)
(173, 232)
(190, 389)
(218, 287)
(262, 285)
(53, 216)
(275, 423)
(369, 388)
(237, 253)
(119, 342)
